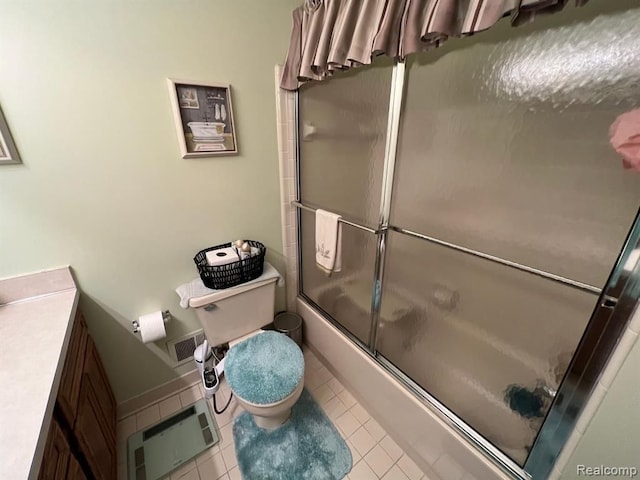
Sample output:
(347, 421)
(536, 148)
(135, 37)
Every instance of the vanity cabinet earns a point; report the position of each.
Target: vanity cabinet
(82, 438)
(69, 391)
(74, 470)
(96, 419)
(55, 461)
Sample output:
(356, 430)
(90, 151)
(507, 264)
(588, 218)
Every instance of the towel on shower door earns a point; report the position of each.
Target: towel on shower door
(328, 242)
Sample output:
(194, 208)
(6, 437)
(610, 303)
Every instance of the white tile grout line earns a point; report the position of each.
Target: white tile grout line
(325, 386)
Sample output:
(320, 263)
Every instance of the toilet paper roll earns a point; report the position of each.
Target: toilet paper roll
(222, 256)
(151, 327)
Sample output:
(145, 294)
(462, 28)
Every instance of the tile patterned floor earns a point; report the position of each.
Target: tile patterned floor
(375, 455)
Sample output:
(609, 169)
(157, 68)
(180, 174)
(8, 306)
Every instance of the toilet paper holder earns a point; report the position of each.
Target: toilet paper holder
(166, 316)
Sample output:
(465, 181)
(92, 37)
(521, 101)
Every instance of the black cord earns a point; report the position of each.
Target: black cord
(215, 408)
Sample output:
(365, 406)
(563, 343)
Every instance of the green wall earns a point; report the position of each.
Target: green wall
(103, 186)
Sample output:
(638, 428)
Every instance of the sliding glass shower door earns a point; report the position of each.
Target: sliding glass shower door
(509, 210)
(342, 133)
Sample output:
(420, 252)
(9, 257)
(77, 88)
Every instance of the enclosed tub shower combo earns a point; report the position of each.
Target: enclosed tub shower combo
(489, 231)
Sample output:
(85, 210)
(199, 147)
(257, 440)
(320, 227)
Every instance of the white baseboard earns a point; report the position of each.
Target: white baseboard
(139, 402)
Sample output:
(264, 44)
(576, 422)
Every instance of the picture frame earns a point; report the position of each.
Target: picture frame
(8, 151)
(203, 115)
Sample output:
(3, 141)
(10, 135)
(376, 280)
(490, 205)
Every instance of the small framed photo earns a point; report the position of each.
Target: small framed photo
(204, 118)
(8, 150)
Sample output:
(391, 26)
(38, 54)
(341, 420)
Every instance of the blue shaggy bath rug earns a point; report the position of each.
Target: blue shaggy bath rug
(307, 447)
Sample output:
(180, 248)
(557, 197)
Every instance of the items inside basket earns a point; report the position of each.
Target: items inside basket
(230, 264)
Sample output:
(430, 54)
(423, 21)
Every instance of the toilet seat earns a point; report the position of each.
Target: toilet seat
(265, 369)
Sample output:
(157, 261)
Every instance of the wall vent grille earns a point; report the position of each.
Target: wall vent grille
(185, 348)
(181, 349)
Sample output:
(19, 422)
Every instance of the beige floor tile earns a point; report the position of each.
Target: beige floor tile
(230, 413)
(224, 387)
(392, 448)
(324, 374)
(362, 471)
(169, 406)
(360, 413)
(334, 408)
(371, 460)
(147, 417)
(190, 475)
(183, 470)
(208, 454)
(226, 436)
(213, 468)
(347, 424)
(335, 385)
(395, 473)
(323, 394)
(311, 381)
(347, 398)
(315, 378)
(229, 456)
(362, 441)
(374, 428)
(378, 460)
(355, 455)
(234, 474)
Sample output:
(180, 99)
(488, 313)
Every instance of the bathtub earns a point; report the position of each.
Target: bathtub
(432, 442)
(414, 337)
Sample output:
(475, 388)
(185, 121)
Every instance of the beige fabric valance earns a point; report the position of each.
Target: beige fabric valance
(331, 35)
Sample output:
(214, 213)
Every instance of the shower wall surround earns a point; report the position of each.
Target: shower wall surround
(286, 119)
(509, 212)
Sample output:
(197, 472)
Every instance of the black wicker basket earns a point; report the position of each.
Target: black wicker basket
(226, 276)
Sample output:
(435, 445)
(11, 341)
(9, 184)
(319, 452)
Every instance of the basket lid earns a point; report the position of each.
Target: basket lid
(269, 275)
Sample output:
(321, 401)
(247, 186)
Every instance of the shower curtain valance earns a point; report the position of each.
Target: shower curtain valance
(331, 35)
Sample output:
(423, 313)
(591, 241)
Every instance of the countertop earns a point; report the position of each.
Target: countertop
(36, 318)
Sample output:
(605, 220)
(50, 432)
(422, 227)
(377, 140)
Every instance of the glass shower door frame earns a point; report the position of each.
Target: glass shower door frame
(611, 315)
(605, 328)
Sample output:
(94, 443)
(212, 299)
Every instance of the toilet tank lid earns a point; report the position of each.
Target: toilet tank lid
(203, 296)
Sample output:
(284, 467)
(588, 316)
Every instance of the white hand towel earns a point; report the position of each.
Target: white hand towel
(328, 242)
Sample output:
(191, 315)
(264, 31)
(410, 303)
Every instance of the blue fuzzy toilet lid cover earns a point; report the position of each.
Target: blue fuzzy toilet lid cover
(264, 369)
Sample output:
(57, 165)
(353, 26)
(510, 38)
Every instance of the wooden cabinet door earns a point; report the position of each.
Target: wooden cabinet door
(74, 471)
(93, 436)
(69, 391)
(94, 373)
(87, 407)
(56, 455)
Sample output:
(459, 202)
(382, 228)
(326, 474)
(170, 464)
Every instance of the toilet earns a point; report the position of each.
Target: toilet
(264, 369)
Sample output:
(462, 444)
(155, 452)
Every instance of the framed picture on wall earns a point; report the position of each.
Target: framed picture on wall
(204, 118)
(8, 151)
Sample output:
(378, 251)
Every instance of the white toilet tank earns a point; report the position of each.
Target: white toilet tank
(234, 312)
